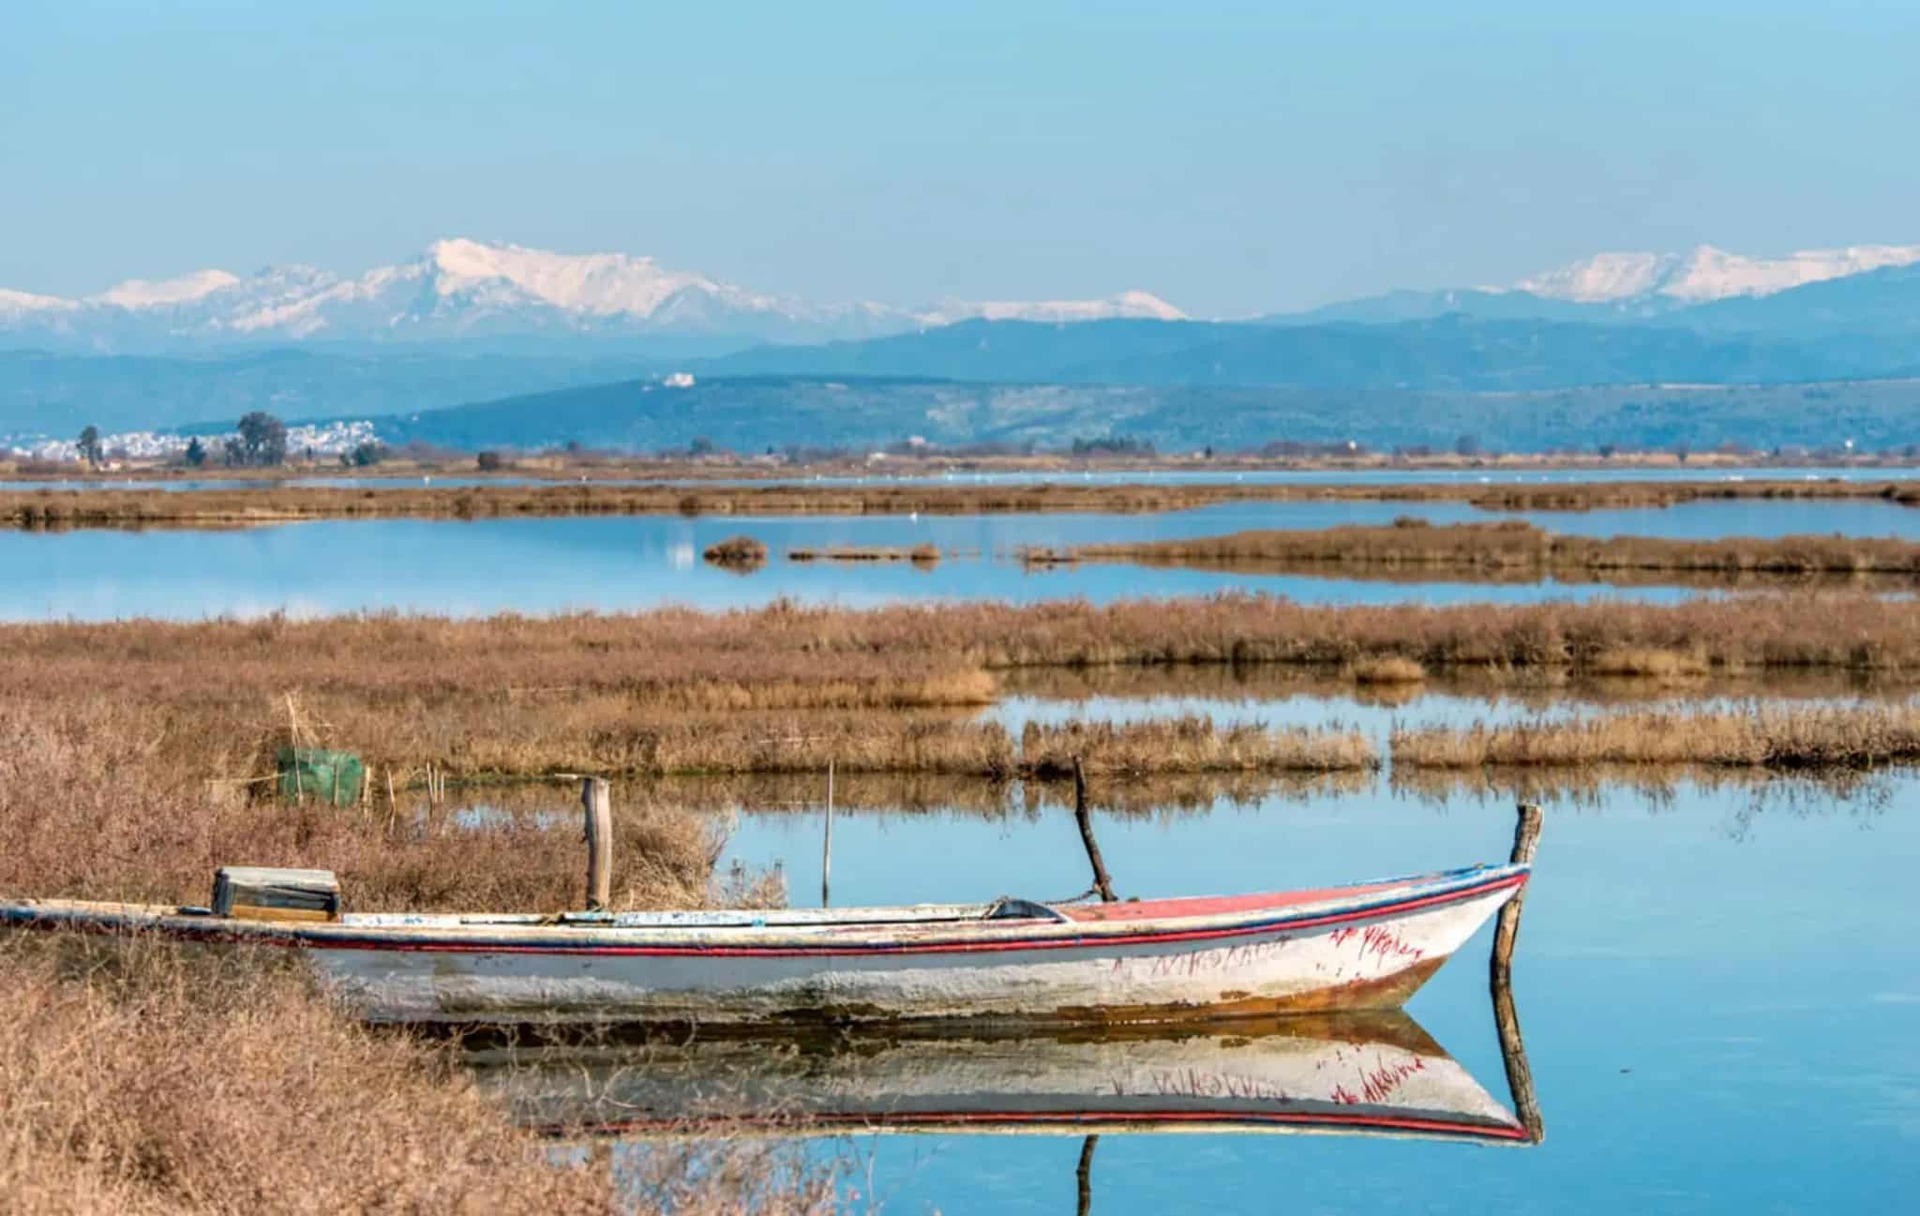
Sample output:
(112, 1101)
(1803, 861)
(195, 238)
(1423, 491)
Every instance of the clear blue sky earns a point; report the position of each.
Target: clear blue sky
(1235, 158)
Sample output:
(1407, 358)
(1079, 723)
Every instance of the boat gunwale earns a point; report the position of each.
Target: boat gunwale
(452, 933)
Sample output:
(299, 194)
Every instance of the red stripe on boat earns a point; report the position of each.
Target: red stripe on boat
(1219, 905)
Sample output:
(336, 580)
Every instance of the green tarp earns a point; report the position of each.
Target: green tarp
(314, 772)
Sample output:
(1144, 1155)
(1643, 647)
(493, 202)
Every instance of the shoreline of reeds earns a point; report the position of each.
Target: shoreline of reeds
(291, 502)
(1508, 550)
(141, 1077)
(136, 1075)
(1753, 737)
(792, 688)
(923, 556)
(413, 463)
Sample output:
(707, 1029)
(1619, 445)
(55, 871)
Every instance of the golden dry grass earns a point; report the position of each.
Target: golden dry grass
(105, 507)
(1188, 744)
(919, 555)
(737, 552)
(787, 688)
(134, 1078)
(1387, 669)
(89, 811)
(1642, 662)
(1508, 551)
(1831, 737)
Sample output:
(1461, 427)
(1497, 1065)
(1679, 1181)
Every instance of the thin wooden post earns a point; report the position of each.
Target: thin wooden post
(596, 798)
(1081, 816)
(1083, 1175)
(826, 847)
(1506, 1017)
(1526, 842)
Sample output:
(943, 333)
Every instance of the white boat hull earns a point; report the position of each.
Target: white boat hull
(1362, 947)
(1368, 964)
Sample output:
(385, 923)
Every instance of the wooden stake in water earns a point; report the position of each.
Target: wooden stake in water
(1084, 818)
(1506, 1018)
(1526, 842)
(596, 799)
(826, 847)
(1083, 1177)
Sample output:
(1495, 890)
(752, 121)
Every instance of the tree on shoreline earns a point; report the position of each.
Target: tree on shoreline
(263, 439)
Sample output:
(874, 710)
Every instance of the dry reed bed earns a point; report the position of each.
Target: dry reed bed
(136, 1077)
(787, 656)
(741, 552)
(143, 1080)
(919, 555)
(1837, 737)
(93, 507)
(1499, 549)
(791, 688)
(89, 811)
(1650, 678)
(1189, 744)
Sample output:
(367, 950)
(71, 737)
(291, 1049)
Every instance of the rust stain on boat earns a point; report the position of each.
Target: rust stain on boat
(1386, 992)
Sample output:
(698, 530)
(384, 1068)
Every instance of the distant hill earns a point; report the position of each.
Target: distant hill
(49, 394)
(753, 413)
(472, 322)
(1478, 304)
(1448, 352)
(1872, 288)
(1880, 302)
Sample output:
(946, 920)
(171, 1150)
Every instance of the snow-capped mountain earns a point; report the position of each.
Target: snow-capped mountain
(1132, 305)
(1706, 273)
(464, 289)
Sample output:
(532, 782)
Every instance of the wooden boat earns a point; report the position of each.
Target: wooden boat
(1365, 946)
(1370, 1074)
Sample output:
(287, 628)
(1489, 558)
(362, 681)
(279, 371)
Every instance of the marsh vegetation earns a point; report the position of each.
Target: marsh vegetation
(1509, 550)
(280, 503)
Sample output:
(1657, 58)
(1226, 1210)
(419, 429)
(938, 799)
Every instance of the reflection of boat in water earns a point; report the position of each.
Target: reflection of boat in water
(1348, 1074)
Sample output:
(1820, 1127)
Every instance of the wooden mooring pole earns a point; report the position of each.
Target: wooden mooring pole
(596, 798)
(1506, 934)
(1506, 1018)
(1084, 818)
(826, 847)
(1083, 1176)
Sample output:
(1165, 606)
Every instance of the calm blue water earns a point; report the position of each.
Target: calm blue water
(551, 565)
(1720, 1001)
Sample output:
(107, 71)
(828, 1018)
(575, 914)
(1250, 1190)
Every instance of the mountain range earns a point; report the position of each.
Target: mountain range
(1705, 288)
(469, 342)
(465, 293)
(502, 298)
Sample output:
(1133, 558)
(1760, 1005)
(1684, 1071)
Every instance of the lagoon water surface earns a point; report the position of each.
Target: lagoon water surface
(1720, 993)
(622, 563)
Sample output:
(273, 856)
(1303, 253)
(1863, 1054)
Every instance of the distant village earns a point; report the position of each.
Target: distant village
(327, 440)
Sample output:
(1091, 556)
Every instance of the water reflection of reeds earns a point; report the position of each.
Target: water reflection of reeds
(1855, 792)
(555, 805)
(1535, 689)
